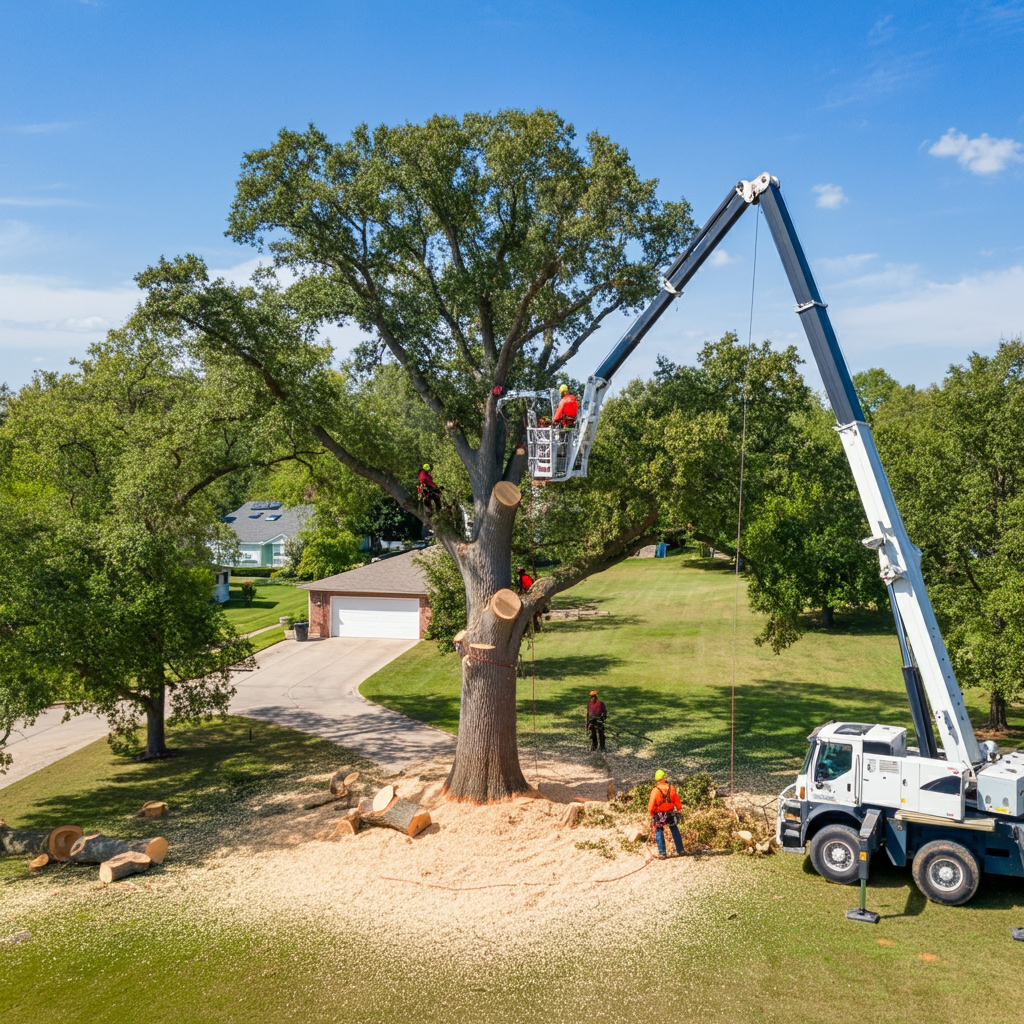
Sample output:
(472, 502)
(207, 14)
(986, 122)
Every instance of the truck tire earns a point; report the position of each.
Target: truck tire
(946, 872)
(835, 852)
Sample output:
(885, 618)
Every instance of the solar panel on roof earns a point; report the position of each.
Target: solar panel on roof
(264, 505)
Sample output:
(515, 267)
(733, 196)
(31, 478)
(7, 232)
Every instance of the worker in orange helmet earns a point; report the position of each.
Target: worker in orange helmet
(662, 807)
(567, 411)
(596, 715)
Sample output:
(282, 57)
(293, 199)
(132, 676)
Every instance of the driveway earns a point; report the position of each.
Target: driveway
(313, 686)
(310, 686)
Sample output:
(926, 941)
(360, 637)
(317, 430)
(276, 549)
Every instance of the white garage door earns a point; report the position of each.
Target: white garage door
(393, 617)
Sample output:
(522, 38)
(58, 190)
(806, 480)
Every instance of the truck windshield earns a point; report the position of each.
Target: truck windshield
(807, 760)
(835, 759)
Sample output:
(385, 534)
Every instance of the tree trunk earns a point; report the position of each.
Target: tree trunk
(827, 619)
(486, 767)
(97, 848)
(156, 742)
(996, 712)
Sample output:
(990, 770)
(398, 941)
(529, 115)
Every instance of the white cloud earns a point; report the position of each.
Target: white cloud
(720, 258)
(983, 155)
(830, 197)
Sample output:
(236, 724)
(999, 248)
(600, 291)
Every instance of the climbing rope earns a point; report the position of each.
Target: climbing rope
(739, 521)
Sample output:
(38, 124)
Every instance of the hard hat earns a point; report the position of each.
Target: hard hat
(563, 389)
(659, 775)
(426, 466)
(593, 693)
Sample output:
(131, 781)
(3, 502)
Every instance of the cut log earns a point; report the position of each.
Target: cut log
(747, 837)
(62, 839)
(20, 842)
(383, 798)
(365, 806)
(152, 809)
(97, 848)
(38, 863)
(349, 825)
(322, 801)
(633, 834)
(459, 637)
(129, 863)
(507, 493)
(339, 784)
(506, 605)
(401, 815)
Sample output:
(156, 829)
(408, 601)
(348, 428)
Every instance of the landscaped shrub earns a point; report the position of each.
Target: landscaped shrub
(257, 571)
(248, 593)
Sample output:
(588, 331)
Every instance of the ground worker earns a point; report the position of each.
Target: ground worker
(663, 805)
(596, 714)
(429, 491)
(567, 411)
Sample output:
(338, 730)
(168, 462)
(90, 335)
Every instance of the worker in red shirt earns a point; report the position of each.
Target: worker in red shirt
(567, 411)
(525, 581)
(663, 807)
(429, 491)
(596, 715)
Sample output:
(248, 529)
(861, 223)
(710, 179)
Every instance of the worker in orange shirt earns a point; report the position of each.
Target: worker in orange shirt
(662, 807)
(567, 411)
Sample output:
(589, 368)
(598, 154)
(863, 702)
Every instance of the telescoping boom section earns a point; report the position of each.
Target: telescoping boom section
(559, 452)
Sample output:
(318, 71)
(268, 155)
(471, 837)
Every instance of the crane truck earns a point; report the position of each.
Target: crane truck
(951, 807)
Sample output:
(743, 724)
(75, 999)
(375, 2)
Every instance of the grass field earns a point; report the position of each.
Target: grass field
(273, 599)
(664, 660)
(770, 942)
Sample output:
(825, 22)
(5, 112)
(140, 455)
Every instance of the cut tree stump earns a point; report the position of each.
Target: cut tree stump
(339, 785)
(152, 809)
(571, 815)
(38, 863)
(507, 493)
(62, 839)
(349, 825)
(506, 605)
(128, 863)
(400, 815)
(97, 848)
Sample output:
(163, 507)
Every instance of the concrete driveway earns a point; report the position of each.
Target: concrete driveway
(313, 686)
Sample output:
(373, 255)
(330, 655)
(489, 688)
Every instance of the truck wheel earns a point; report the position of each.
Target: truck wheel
(835, 851)
(946, 872)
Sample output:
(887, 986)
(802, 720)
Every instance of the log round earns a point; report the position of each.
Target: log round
(129, 863)
(38, 863)
(383, 798)
(152, 809)
(62, 839)
(349, 825)
(506, 605)
(401, 815)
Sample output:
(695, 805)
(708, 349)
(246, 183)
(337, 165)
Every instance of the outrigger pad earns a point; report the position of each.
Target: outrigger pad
(865, 916)
(1017, 934)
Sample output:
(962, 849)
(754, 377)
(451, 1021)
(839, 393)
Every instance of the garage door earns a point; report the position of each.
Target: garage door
(394, 617)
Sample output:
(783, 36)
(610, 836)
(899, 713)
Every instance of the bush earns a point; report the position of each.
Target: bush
(257, 571)
(248, 593)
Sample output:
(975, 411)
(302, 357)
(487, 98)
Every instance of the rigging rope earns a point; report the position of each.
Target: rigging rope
(739, 521)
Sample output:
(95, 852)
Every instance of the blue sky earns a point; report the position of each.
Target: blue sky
(896, 131)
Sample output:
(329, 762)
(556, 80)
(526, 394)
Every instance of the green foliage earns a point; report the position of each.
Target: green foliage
(446, 593)
(874, 387)
(696, 790)
(327, 548)
(955, 455)
(600, 845)
(255, 572)
(248, 592)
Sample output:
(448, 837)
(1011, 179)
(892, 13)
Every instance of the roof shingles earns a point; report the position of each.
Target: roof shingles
(396, 575)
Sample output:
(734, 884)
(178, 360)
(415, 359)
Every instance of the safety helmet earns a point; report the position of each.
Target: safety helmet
(593, 693)
(563, 389)
(659, 775)
(426, 466)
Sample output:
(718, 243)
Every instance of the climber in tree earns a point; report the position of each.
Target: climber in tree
(428, 490)
(525, 581)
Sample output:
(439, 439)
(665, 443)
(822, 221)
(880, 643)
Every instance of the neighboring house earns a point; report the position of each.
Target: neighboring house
(263, 528)
(383, 599)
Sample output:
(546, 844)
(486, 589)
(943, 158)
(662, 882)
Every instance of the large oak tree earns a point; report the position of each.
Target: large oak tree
(479, 254)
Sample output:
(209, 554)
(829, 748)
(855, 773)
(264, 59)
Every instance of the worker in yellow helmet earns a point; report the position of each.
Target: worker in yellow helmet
(568, 409)
(663, 807)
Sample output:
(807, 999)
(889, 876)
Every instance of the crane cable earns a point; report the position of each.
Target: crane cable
(739, 520)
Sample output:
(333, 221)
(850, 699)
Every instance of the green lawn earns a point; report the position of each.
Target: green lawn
(664, 660)
(273, 599)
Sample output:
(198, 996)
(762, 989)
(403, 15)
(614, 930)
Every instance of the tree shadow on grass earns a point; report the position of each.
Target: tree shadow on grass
(568, 666)
(591, 625)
